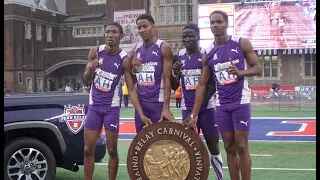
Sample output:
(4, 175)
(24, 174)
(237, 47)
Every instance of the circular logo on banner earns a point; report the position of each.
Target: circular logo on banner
(167, 150)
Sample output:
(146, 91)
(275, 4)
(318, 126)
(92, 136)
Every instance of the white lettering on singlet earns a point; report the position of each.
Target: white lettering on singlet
(222, 75)
(103, 80)
(191, 78)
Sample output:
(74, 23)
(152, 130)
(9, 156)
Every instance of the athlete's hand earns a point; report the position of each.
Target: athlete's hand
(233, 69)
(191, 123)
(166, 113)
(95, 63)
(146, 120)
(136, 63)
(176, 68)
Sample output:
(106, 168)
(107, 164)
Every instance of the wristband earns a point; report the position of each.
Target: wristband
(194, 117)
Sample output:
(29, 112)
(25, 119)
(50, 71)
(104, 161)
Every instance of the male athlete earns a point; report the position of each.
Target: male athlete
(107, 63)
(228, 57)
(152, 65)
(188, 68)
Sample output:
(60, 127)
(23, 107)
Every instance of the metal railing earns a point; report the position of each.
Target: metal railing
(284, 101)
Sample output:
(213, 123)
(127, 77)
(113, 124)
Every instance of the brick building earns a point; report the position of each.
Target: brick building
(47, 41)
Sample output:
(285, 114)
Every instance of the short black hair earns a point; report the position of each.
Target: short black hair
(147, 17)
(224, 14)
(192, 26)
(118, 25)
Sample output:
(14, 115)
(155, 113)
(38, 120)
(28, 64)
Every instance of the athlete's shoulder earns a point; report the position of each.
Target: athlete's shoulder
(123, 54)
(236, 39)
(138, 45)
(209, 48)
(182, 52)
(102, 48)
(202, 50)
(159, 42)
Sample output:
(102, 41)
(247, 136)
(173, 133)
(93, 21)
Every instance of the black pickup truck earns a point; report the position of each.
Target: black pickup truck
(43, 131)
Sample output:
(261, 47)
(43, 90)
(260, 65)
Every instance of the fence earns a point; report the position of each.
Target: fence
(284, 101)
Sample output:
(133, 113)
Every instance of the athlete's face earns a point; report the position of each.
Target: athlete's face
(145, 29)
(218, 25)
(113, 35)
(190, 39)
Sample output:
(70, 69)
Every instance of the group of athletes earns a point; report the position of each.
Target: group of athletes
(216, 93)
(276, 17)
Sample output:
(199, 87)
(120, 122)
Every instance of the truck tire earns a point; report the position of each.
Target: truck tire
(29, 158)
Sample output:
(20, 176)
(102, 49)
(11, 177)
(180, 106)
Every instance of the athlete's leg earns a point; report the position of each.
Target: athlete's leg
(111, 125)
(208, 124)
(177, 99)
(126, 100)
(92, 128)
(112, 147)
(155, 111)
(138, 122)
(242, 119)
(225, 126)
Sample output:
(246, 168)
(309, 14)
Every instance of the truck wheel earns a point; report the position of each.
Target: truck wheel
(28, 158)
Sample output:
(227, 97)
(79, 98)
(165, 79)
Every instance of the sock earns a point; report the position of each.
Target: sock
(216, 162)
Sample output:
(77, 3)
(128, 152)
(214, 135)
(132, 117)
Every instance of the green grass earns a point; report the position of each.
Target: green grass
(297, 155)
(255, 112)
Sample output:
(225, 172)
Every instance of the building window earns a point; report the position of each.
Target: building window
(169, 14)
(39, 32)
(174, 11)
(162, 20)
(49, 34)
(183, 13)
(29, 84)
(20, 77)
(83, 31)
(310, 65)
(270, 65)
(40, 84)
(27, 32)
(95, 2)
(88, 31)
(190, 13)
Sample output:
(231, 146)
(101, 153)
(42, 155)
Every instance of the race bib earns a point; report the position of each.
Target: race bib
(103, 80)
(145, 76)
(191, 78)
(224, 77)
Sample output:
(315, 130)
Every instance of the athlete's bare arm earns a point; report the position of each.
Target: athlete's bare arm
(167, 69)
(129, 78)
(252, 59)
(91, 65)
(132, 55)
(201, 87)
